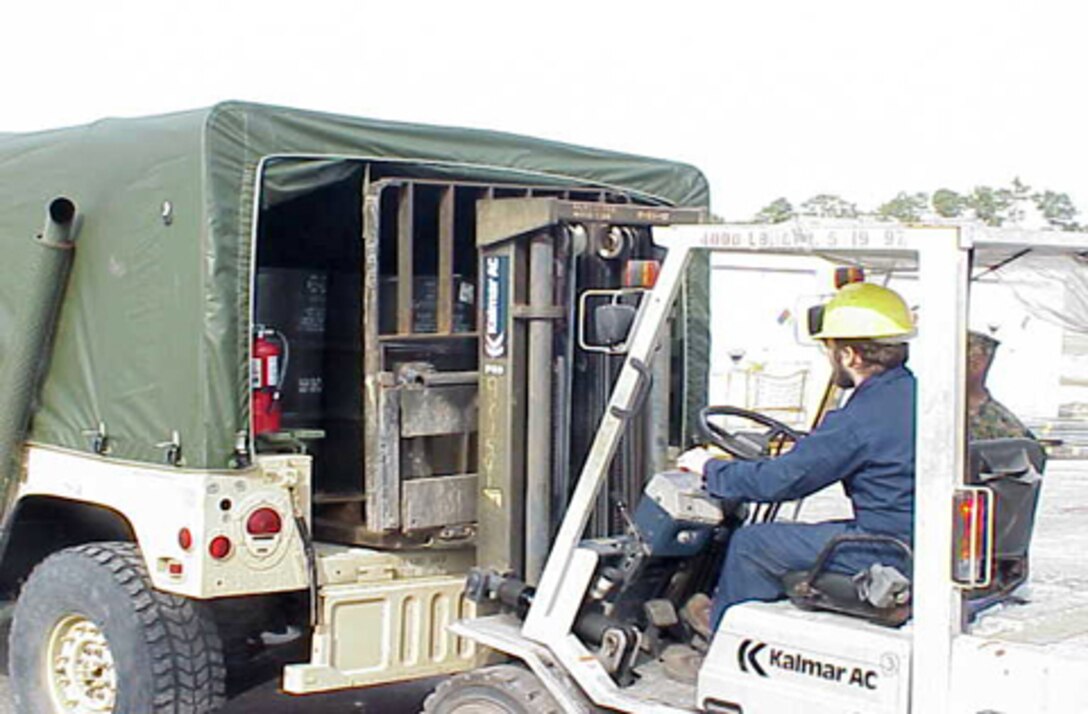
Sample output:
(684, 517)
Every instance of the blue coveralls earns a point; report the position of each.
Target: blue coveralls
(869, 446)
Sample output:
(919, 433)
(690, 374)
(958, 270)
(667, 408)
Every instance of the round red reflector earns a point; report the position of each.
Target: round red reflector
(264, 521)
(185, 539)
(219, 548)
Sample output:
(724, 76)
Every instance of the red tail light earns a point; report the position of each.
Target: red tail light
(264, 521)
(220, 547)
(972, 537)
(185, 538)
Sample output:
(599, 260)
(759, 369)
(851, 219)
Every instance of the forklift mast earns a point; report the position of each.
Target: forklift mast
(560, 281)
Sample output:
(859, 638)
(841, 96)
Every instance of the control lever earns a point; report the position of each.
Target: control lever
(629, 524)
(625, 514)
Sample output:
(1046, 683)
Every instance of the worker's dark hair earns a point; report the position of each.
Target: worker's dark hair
(878, 356)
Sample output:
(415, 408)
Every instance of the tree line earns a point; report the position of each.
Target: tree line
(1015, 205)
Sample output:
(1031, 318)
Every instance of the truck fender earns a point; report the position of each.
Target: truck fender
(39, 525)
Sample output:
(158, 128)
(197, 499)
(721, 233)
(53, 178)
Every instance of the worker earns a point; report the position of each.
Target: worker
(868, 445)
(987, 418)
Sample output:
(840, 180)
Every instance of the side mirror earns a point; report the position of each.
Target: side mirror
(606, 318)
(612, 323)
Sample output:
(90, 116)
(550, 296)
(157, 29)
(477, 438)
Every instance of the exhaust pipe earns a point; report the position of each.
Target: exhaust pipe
(26, 357)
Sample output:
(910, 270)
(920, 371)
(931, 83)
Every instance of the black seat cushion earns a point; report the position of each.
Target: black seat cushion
(839, 593)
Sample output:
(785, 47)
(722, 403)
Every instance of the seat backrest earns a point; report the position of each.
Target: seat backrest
(1012, 469)
(988, 458)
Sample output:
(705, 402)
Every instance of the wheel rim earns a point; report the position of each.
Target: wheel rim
(478, 706)
(79, 667)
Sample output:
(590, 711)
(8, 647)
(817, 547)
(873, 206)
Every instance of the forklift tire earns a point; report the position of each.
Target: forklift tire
(501, 689)
(90, 634)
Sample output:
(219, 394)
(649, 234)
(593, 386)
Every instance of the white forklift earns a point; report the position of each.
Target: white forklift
(589, 635)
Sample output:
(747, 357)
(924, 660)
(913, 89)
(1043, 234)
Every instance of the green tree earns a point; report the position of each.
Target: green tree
(1019, 189)
(1057, 209)
(905, 207)
(990, 205)
(826, 205)
(948, 204)
(776, 211)
(1017, 204)
(1021, 205)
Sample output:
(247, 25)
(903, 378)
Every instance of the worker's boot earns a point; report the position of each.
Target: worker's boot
(696, 613)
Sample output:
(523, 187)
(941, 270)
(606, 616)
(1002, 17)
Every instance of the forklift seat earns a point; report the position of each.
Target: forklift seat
(821, 589)
(1012, 469)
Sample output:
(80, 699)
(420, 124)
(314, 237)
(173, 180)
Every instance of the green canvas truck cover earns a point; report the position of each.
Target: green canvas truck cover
(152, 339)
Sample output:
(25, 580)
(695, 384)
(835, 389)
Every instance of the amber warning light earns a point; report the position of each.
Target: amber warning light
(641, 273)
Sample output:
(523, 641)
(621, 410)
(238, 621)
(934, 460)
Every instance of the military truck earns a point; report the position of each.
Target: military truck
(244, 394)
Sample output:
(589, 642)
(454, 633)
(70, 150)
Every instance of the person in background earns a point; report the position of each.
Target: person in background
(987, 418)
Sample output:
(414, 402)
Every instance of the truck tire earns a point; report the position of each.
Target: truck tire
(501, 689)
(91, 635)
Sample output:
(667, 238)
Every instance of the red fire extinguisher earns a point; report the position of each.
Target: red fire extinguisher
(268, 369)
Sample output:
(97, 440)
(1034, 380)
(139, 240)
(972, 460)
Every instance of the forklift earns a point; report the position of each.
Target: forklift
(589, 635)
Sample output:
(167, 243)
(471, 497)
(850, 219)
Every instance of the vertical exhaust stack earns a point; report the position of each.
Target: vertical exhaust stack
(26, 356)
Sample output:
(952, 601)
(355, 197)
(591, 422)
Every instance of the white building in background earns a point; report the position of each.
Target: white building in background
(758, 308)
(759, 342)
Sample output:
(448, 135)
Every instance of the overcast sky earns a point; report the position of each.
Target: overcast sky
(861, 98)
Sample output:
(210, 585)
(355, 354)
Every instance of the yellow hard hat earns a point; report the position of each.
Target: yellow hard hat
(867, 312)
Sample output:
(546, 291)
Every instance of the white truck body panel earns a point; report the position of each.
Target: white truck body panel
(159, 501)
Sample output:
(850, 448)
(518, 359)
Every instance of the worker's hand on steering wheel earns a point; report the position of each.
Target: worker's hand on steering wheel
(694, 460)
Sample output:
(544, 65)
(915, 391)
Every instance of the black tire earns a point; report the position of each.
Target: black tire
(166, 653)
(501, 689)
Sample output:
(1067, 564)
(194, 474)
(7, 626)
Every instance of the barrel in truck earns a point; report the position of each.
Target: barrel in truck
(244, 404)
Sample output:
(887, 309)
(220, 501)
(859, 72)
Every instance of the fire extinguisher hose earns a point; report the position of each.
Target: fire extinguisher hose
(286, 358)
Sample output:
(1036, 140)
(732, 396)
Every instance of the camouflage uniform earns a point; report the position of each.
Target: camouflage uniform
(994, 421)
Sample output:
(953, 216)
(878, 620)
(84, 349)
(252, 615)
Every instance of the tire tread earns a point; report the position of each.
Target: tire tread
(187, 666)
(513, 680)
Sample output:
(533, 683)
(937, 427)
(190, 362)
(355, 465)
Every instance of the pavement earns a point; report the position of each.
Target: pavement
(261, 694)
(404, 698)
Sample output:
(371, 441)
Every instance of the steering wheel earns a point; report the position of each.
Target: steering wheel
(746, 446)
